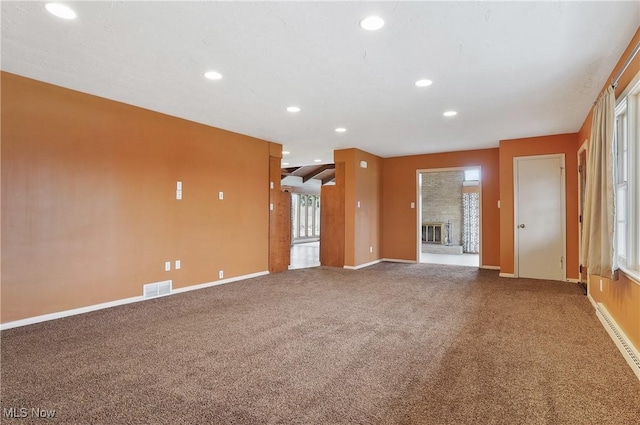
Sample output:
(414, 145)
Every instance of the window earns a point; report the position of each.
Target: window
(620, 143)
(627, 179)
(472, 175)
(305, 216)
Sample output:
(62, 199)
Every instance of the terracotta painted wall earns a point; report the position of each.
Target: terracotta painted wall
(562, 143)
(89, 212)
(362, 225)
(621, 298)
(399, 189)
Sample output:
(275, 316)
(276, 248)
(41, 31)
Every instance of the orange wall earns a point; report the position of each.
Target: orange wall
(361, 224)
(625, 79)
(89, 212)
(621, 298)
(561, 143)
(399, 189)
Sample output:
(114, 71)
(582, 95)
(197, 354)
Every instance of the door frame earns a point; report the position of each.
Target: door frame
(563, 203)
(581, 150)
(419, 206)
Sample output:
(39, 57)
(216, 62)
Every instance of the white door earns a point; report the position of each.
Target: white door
(539, 218)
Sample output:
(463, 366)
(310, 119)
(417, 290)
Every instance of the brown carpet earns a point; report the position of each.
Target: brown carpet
(391, 344)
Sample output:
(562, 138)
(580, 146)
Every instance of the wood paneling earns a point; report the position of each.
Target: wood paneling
(280, 232)
(332, 225)
(279, 217)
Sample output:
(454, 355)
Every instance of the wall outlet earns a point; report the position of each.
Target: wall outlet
(220, 195)
(220, 274)
(177, 265)
(167, 266)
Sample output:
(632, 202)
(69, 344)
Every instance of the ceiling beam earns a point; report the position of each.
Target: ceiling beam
(317, 171)
(284, 172)
(328, 179)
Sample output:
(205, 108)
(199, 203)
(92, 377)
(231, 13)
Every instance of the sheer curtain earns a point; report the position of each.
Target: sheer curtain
(599, 208)
(470, 222)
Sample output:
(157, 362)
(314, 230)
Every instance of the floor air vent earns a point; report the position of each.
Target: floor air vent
(158, 289)
(620, 339)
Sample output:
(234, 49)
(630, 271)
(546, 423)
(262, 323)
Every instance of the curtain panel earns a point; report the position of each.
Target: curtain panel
(599, 209)
(470, 222)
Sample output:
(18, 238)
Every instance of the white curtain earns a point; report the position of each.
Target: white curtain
(470, 222)
(599, 209)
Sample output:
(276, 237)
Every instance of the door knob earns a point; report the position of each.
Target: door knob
(521, 226)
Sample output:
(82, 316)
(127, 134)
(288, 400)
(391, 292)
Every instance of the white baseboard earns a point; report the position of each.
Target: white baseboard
(397, 260)
(361, 266)
(218, 282)
(624, 344)
(67, 313)
(507, 275)
(490, 267)
(95, 307)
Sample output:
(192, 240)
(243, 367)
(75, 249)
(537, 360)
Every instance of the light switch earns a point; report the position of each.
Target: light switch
(413, 205)
(177, 265)
(221, 195)
(272, 185)
(358, 204)
(179, 186)
(271, 206)
(167, 266)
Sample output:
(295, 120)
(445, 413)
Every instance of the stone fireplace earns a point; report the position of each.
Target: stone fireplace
(433, 233)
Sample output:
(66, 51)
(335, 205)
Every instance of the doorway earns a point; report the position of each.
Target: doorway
(449, 216)
(305, 231)
(539, 217)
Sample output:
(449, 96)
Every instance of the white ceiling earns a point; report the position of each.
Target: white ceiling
(510, 69)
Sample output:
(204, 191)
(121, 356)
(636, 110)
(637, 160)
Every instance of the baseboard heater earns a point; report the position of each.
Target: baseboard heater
(619, 338)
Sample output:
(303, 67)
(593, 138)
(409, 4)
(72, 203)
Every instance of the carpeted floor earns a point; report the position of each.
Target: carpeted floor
(390, 344)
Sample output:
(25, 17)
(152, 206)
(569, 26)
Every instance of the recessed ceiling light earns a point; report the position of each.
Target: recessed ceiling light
(60, 10)
(285, 163)
(293, 109)
(285, 152)
(423, 83)
(340, 130)
(450, 113)
(317, 160)
(213, 75)
(372, 23)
